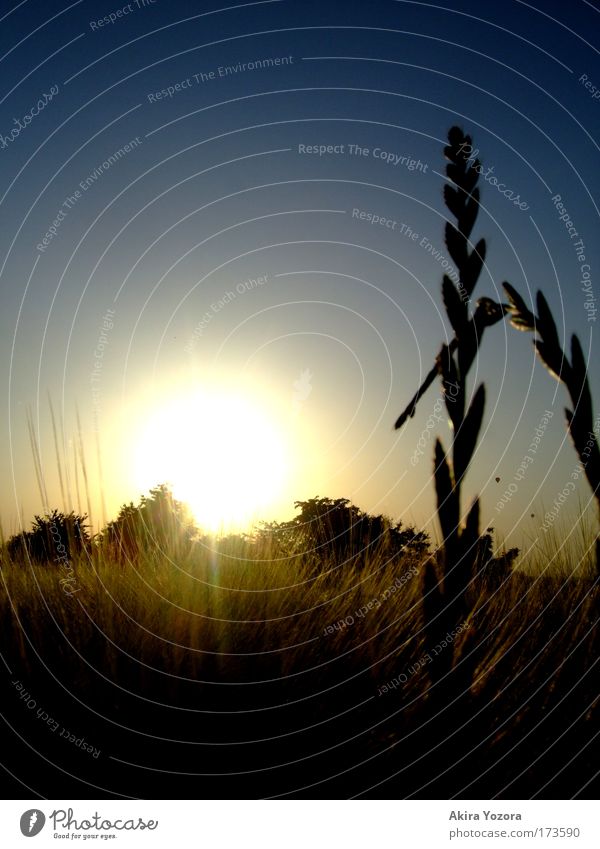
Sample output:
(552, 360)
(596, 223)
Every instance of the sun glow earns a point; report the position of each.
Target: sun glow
(221, 452)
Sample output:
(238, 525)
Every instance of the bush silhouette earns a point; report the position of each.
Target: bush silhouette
(335, 528)
(55, 536)
(159, 521)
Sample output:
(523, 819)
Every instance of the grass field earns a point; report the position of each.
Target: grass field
(200, 672)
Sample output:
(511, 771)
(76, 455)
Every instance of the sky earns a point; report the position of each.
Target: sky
(194, 281)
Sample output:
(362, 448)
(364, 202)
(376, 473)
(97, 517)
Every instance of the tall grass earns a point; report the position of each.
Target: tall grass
(220, 650)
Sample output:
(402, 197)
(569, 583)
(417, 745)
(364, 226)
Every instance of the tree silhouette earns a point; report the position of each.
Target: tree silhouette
(336, 528)
(159, 521)
(55, 536)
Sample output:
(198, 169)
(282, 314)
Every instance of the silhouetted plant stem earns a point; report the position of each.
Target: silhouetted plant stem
(580, 420)
(445, 603)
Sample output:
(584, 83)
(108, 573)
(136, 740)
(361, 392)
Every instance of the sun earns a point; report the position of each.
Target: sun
(221, 453)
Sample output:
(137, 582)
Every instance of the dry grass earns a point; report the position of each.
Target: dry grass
(195, 633)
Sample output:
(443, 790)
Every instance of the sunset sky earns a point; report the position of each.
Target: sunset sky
(190, 259)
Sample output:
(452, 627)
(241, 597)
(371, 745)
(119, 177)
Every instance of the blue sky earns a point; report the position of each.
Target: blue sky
(190, 194)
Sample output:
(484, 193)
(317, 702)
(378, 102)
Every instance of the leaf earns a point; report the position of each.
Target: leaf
(449, 152)
(515, 299)
(447, 501)
(457, 245)
(456, 308)
(469, 181)
(553, 359)
(488, 313)
(469, 215)
(586, 444)
(521, 317)
(469, 347)
(546, 326)
(412, 404)
(471, 531)
(578, 363)
(453, 198)
(474, 264)
(454, 173)
(458, 582)
(520, 324)
(465, 439)
(452, 386)
(405, 416)
(578, 383)
(456, 137)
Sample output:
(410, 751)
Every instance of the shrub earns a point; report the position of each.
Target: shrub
(55, 536)
(159, 521)
(335, 528)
